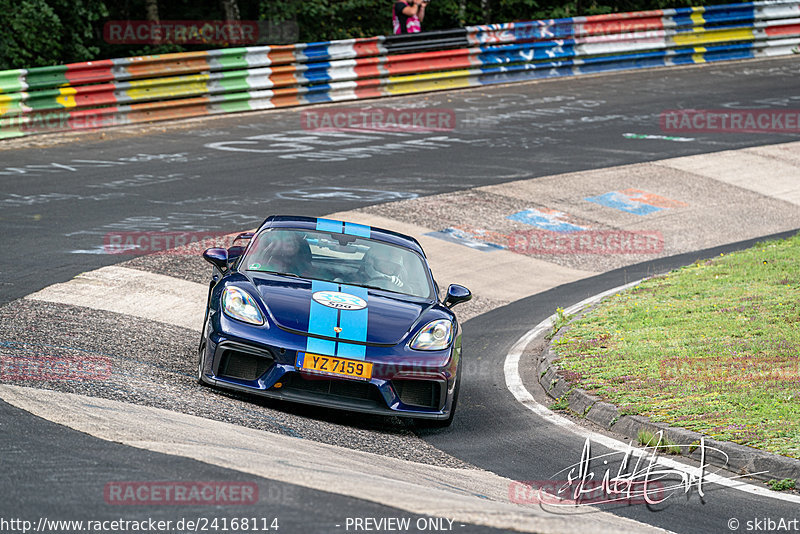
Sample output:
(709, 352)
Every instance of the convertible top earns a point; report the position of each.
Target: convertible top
(330, 225)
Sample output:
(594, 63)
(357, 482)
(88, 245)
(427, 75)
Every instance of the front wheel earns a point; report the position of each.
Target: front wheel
(201, 357)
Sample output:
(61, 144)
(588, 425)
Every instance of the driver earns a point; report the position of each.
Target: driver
(383, 268)
(286, 252)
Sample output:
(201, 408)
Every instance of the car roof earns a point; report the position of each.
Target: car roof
(342, 227)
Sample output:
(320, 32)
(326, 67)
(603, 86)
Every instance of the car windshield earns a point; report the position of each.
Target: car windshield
(339, 258)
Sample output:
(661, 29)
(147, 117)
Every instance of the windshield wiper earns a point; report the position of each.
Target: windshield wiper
(379, 289)
(276, 272)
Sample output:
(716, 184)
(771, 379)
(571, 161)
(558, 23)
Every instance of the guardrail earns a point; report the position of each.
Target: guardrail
(141, 89)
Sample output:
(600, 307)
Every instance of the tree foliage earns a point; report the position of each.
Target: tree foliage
(49, 32)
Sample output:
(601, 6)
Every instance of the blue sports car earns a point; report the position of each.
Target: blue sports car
(333, 314)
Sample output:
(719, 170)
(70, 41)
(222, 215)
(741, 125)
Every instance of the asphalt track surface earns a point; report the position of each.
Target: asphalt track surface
(229, 173)
(58, 474)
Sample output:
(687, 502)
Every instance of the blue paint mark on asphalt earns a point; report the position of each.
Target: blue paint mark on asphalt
(454, 235)
(546, 220)
(623, 202)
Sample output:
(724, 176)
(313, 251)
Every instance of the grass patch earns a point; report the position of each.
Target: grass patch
(561, 404)
(713, 347)
(650, 439)
(781, 485)
(559, 322)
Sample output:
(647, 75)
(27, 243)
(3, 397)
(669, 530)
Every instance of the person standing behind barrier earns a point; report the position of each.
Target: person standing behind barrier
(407, 17)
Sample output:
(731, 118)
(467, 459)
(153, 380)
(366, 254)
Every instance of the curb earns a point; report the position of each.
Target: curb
(741, 459)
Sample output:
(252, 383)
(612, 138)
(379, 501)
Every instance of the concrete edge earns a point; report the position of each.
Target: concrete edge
(741, 459)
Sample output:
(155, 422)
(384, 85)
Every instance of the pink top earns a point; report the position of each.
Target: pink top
(403, 23)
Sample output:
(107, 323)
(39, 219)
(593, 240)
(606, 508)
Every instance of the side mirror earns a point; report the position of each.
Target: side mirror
(218, 257)
(456, 294)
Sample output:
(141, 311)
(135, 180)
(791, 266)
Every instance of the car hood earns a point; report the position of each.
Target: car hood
(386, 319)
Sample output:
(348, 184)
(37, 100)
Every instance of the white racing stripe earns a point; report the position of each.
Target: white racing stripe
(464, 495)
(517, 388)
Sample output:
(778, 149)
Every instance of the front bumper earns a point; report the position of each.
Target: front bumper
(404, 383)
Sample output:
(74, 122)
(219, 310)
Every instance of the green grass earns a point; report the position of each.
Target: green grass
(713, 347)
(561, 404)
(781, 485)
(560, 321)
(652, 440)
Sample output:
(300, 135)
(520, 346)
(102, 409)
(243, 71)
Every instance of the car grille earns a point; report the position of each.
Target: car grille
(348, 389)
(243, 365)
(420, 393)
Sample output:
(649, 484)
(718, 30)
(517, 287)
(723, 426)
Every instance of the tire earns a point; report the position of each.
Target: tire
(201, 358)
(201, 352)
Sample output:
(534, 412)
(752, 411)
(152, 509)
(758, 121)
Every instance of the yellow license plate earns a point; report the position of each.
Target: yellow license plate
(334, 366)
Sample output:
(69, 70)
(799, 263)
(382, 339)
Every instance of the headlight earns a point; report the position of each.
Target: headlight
(239, 305)
(436, 335)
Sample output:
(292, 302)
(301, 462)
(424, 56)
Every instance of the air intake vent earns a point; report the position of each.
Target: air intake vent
(348, 389)
(243, 365)
(420, 393)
